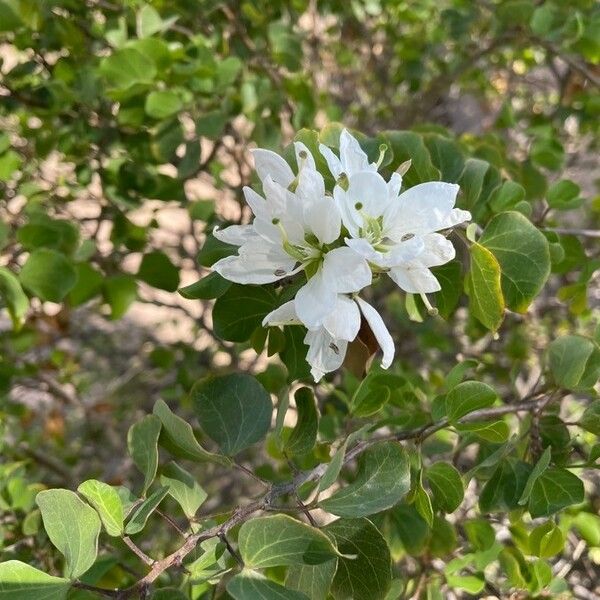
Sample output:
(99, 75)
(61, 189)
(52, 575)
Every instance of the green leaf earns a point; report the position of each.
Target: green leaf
(554, 490)
(142, 442)
(178, 437)
(364, 571)
(471, 181)
(507, 196)
(564, 195)
(163, 104)
(383, 479)
(207, 288)
(546, 540)
(9, 161)
(447, 486)
(158, 271)
(48, 274)
(304, 435)
(450, 278)
(539, 468)
(372, 394)
(9, 21)
(89, 284)
(490, 431)
(105, 499)
(407, 145)
(235, 325)
(233, 410)
(127, 67)
(467, 397)
(523, 254)
(138, 520)
(505, 487)
(486, 302)
(14, 297)
(293, 355)
(312, 580)
(183, 488)
(250, 585)
(19, 581)
(213, 250)
(72, 526)
(574, 362)
(120, 291)
(148, 21)
(281, 540)
(423, 503)
(590, 420)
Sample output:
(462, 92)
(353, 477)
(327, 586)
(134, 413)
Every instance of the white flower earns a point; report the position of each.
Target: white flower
(291, 232)
(327, 343)
(352, 157)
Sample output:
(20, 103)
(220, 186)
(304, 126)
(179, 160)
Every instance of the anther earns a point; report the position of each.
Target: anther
(279, 272)
(334, 348)
(407, 236)
(275, 221)
(358, 206)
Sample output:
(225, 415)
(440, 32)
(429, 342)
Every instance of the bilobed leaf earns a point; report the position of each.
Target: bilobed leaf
(383, 479)
(312, 580)
(19, 581)
(590, 419)
(281, 540)
(72, 526)
(48, 274)
(539, 468)
(447, 486)
(574, 362)
(211, 286)
(467, 397)
(138, 520)
(564, 195)
(183, 488)
(13, 297)
(107, 503)
(505, 486)
(554, 490)
(178, 437)
(304, 435)
(372, 394)
(235, 325)
(523, 254)
(142, 442)
(486, 302)
(546, 540)
(233, 410)
(490, 431)
(364, 571)
(252, 585)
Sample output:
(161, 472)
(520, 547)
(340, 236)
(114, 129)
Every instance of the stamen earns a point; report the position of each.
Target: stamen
(358, 206)
(382, 150)
(407, 236)
(279, 272)
(275, 221)
(343, 182)
(430, 309)
(334, 348)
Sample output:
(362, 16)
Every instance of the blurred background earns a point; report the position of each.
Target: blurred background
(125, 129)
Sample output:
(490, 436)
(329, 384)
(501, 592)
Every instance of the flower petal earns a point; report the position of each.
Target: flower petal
(415, 279)
(304, 162)
(333, 162)
(322, 217)
(352, 156)
(268, 163)
(398, 254)
(315, 300)
(345, 271)
(382, 335)
(325, 353)
(368, 193)
(283, 315)
(343, 322)
(236, 235)
(437, 250)
(257, 203)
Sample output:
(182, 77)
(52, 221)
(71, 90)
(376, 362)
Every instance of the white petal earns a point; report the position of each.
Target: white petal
(325, 354)
(333, 162)
(322, 217)
(369, 190)
(310, 184)
(394, 185)
(346, 271)
(268, 163)
(424, 208)
(235, 234)
(415, 279)
(306, 162)
(397, 255)
(283, 315)
(351, 219)
(363, 248)
(352, 156)
(315, 300)
(382, 335)
(343, 322)
(437, 250)
(257, 203)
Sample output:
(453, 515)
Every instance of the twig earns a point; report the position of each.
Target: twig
(138, 552)
(593, 233)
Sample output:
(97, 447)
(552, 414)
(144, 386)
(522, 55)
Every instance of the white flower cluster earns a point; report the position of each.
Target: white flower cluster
(339, 240)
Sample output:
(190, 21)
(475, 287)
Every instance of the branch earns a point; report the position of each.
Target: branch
(593, 233)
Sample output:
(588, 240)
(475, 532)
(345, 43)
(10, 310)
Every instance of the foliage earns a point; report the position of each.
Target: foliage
(205, 463)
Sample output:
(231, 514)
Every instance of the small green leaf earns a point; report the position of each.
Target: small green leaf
(505, 486)
(293, 356)
(407, 145)
(72, 526)
(128, 67)
(183, 488)
(233, 410)
(304, 435)
(142, 442)
(523, 254)
(423, 504)
(281, 540)
(471, 181)
(177, 436)
(19, 581)
(490, 431)
(48, 274)
(235, 325)
(590, 419)
(13, 297)
(564, 195)
(382, 481)
(107, 503)
(539, 468)
(546, 540)
(467, 397)
(157, 270)
(574, 362)
(554, 490)
(312, 580)
(250, 585)
(207, 288)
(138, 520)
(163, 104)
(483, 282)
(447, 486)
(120, 291)
(364, 570)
